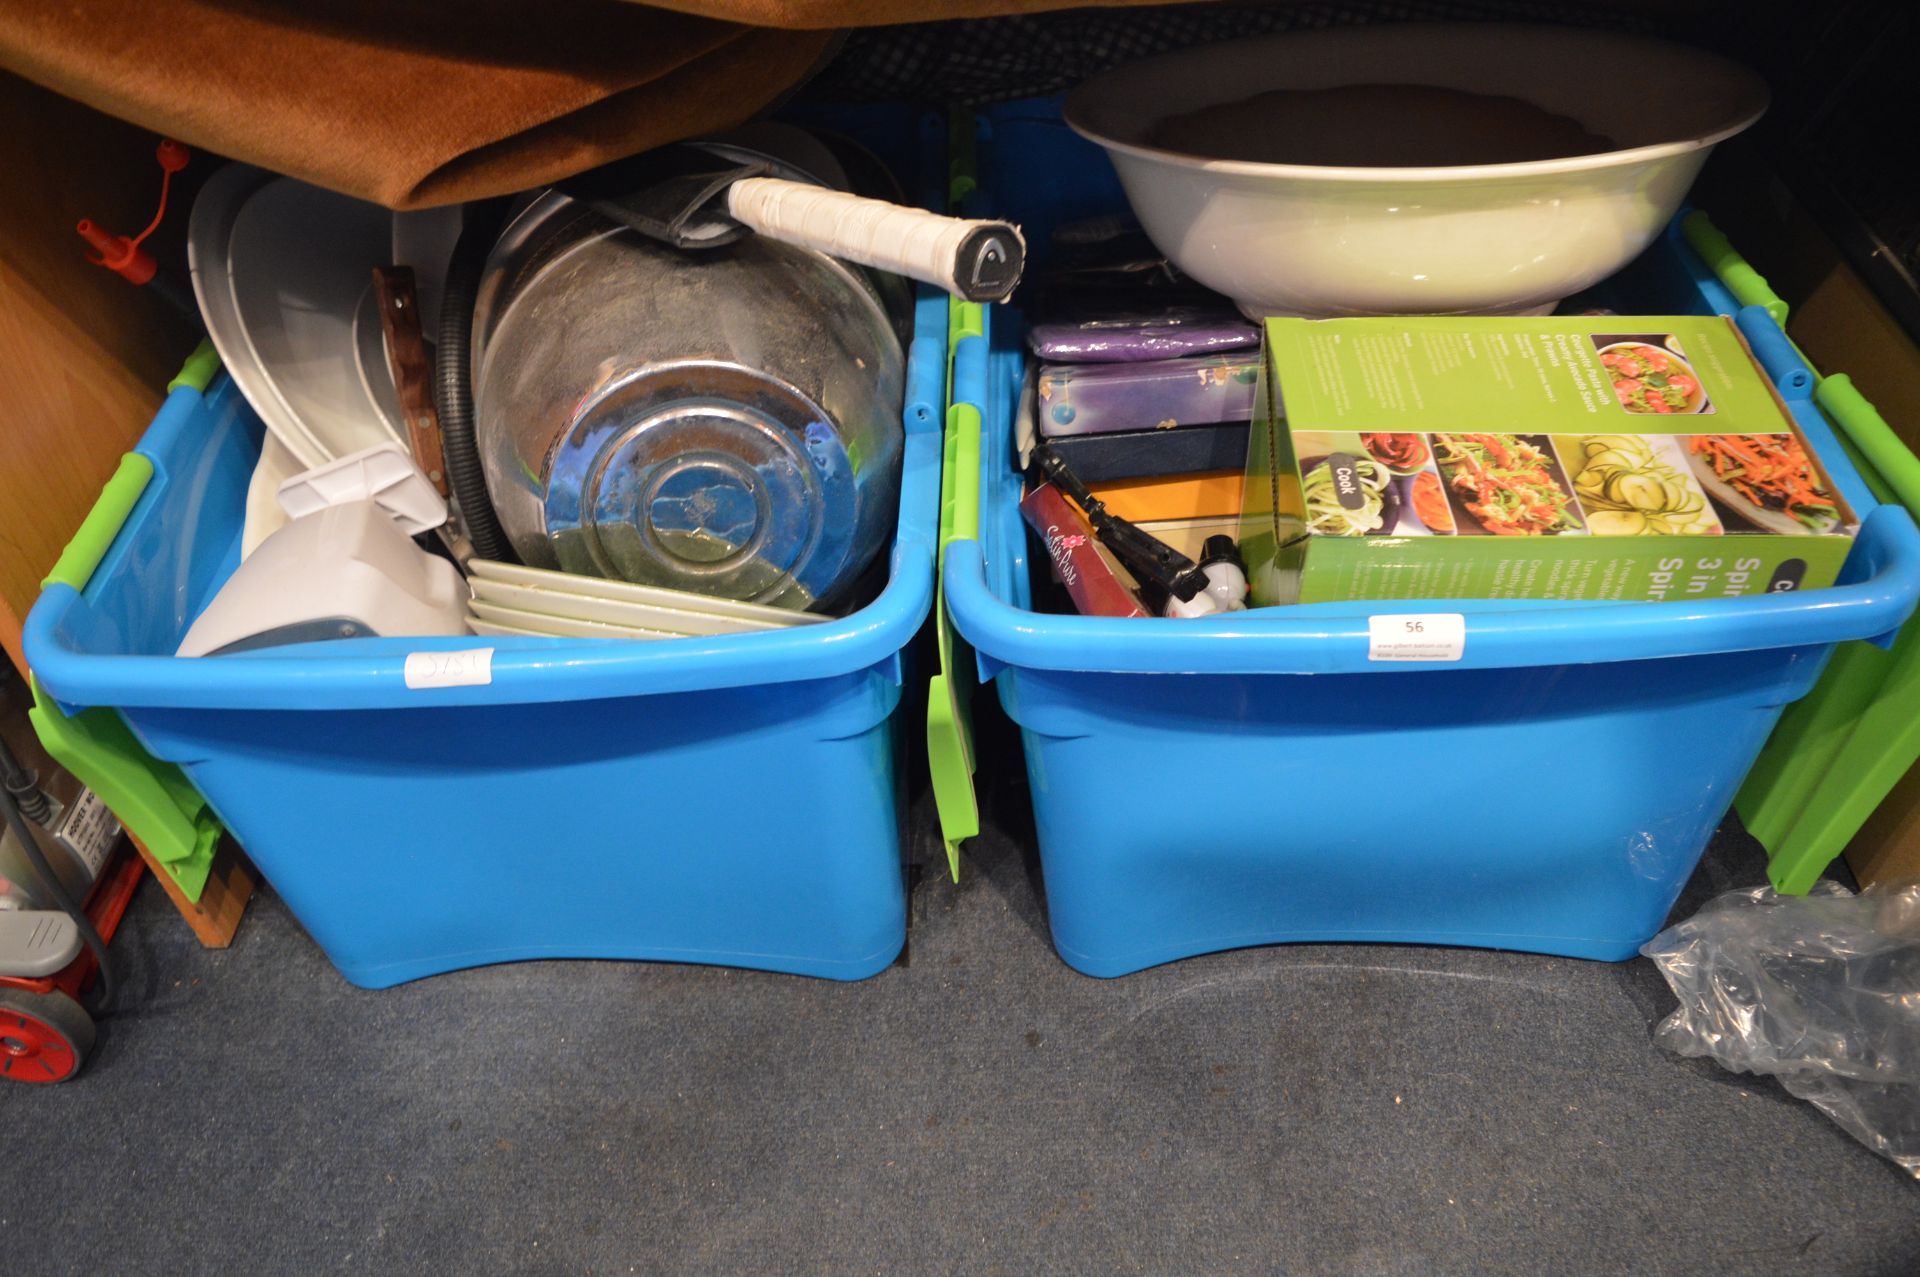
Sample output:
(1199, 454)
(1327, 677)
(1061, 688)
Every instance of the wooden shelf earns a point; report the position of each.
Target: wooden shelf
(87, 357)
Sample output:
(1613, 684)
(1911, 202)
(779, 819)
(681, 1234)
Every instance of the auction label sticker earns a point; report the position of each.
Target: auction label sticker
(1417, 636)
(470, 668)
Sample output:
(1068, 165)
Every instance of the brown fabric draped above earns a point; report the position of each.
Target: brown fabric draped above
(420, 102)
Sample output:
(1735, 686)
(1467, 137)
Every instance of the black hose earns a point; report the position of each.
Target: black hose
(24, 786)
(453, 384)
(57, 892)
(170, 288)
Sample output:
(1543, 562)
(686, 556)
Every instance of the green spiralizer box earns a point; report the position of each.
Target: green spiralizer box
(1586, 457)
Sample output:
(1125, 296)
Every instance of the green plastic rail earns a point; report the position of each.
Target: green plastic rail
(202, 366)
(153, 799)
(1748, 286)
(962, 157)
(1838, 751)
(74, 567)
(950, 757)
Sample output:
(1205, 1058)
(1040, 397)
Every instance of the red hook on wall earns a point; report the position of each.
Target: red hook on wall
(122, 255)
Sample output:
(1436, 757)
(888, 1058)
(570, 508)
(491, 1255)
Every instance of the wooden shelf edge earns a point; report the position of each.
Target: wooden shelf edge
(215, 917)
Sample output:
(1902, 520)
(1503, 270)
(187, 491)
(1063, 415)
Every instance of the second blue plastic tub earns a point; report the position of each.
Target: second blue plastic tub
(1202, 785)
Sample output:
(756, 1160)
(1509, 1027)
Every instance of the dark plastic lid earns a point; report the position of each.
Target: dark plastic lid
(1219, 548)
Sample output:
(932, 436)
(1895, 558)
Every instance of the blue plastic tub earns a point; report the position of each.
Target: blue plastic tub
(733, 800)
(1243, 780)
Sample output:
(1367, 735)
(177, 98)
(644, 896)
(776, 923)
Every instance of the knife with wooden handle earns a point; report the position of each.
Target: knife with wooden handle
(411, 368)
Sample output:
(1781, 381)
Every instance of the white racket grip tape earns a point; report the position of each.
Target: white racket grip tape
(980, 261)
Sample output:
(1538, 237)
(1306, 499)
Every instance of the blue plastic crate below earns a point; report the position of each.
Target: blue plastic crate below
(731, 800)
(1255, 778)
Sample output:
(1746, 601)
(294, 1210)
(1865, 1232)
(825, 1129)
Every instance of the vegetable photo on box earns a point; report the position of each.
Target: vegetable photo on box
(1373, 475)
(1630, 487)
(1509, 483)
(1768, 479)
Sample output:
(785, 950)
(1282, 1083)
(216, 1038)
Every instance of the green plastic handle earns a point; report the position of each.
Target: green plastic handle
(1748, 286)
(109, 514)
(961, 521)
(103, 523)
(153, 799)
(964, 319)
(961, 166)
(202, 366)
(1868, 431)
(950, 759)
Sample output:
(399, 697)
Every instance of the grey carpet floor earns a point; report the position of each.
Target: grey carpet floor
(978, 1109)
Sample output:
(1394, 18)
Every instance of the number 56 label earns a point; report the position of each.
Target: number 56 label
(1423, 636)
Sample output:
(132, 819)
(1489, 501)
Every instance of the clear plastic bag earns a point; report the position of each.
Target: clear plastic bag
(1821, 991)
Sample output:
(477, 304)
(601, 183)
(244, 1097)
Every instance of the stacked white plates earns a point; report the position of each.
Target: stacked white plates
(510, 599)
(283, 272)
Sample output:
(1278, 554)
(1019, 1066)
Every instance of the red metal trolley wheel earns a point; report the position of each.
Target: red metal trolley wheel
(44, 1037)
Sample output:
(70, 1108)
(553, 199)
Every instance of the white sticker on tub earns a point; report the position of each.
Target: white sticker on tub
(470, 668)
(88, 830)
(1417, 636)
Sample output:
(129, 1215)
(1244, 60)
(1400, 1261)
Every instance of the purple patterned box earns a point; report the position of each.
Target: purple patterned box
(1167, 334)
(1081, 399)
